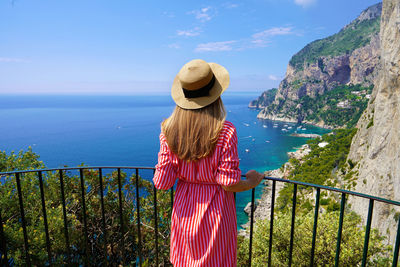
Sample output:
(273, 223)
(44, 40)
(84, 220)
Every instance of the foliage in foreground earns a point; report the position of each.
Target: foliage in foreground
(325, 249)
(110, 245)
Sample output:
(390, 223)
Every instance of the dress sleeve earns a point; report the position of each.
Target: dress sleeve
(228, 172)
(165, 175)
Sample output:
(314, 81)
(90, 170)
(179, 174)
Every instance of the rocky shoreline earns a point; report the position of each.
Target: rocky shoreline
(290, 120)
(306, 135)
(263, 205)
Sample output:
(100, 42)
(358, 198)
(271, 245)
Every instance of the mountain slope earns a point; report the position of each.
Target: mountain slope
(350, 57)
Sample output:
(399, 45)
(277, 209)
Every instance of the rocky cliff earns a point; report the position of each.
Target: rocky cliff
(375, 149)
(347, 58)
(264, 100)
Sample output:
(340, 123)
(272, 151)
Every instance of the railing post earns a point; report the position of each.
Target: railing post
(396, 247)
(21, 206)
(103, 216)
(155, 221)
(172, 196)
(339, 236)
(138, 218)
(292, 225)
(65, 217)
(367, 232)
(84, 217)
(4, 258)
(271, 226)
(251, 224)
(46, 227)
(316, 211)
(121, 217)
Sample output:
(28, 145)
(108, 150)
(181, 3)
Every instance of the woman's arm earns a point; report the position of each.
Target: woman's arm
(165, 175)
(253, 178)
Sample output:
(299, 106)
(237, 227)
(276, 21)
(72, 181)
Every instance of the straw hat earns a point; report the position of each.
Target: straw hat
(198, 84)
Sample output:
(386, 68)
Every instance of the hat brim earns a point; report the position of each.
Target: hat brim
(221, 84)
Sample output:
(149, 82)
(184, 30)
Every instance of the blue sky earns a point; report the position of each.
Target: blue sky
(131, 47)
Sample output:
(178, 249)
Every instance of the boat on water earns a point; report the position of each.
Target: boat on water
(284, 130)
(265, 126)
(246, 124)
(290, 127)
(247, 150)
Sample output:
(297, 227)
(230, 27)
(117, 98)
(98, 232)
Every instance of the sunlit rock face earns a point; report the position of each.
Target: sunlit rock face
(376, 147)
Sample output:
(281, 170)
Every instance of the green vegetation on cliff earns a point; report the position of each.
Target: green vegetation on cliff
(265, 99)
(319, 166)
(339, 107)
(347, 40)
(342, 106)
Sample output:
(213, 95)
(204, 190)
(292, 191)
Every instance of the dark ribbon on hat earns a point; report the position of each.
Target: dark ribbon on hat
(203, 91)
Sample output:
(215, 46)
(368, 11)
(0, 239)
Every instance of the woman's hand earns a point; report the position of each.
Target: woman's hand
(253, 178)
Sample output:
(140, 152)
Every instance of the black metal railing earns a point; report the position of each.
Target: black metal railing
(105, 234)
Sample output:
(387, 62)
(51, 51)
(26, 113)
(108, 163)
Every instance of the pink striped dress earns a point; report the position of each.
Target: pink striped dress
(203, 223)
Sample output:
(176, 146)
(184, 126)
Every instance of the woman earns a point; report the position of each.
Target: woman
(199, 147)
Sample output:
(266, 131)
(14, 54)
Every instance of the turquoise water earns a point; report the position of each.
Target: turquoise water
(123, 131)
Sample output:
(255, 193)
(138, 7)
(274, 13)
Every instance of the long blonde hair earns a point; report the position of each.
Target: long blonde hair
(193, 133)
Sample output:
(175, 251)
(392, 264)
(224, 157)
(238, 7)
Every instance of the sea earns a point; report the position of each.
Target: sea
(115, 130)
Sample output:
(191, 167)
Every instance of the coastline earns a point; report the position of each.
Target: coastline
(263, 204)
(290, 120)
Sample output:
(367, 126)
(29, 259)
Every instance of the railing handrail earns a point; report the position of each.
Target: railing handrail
(78, 168)
(339, 190)
(388, 201)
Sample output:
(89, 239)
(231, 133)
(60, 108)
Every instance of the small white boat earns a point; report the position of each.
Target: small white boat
(246, 124)
(275, 125)
(267, 141)
(247, 150)
(284, 130)
(253, 139)
(265, 126)
(285, 125)
(290, 127)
